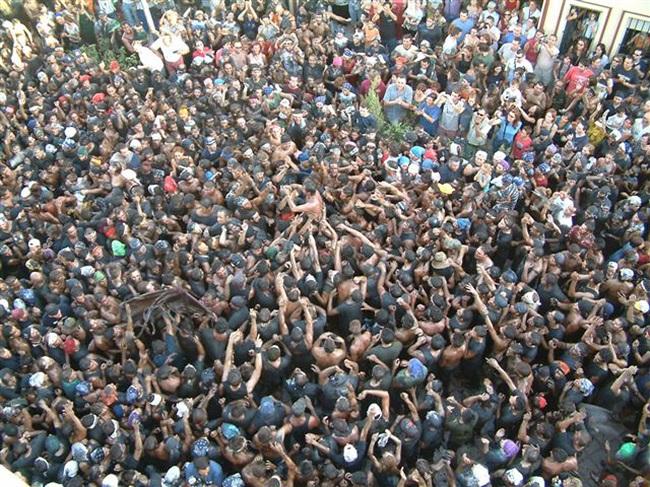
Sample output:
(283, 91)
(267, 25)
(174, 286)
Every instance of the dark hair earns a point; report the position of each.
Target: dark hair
(201, 463)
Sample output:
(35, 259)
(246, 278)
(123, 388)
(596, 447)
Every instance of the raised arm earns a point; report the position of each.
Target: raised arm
(232, 339)
(492, 362)
(257, 372)
(383, 395)
(309, 325)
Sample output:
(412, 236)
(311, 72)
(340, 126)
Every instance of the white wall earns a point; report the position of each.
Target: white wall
(613, 21)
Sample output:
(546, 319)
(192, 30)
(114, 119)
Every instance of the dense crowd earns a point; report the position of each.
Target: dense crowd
(418, 231)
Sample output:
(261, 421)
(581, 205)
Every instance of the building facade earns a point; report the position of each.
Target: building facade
(621, 25)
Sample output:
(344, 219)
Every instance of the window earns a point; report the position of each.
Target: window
(637, 36)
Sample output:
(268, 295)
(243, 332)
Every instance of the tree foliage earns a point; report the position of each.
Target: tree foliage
(104, 52)
(394, 132)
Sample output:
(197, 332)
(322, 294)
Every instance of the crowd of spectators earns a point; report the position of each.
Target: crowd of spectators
(418, 230)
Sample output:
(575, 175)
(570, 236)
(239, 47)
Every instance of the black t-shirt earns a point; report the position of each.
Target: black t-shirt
(432, 436)
(433, 35)
(243, 422)
(387, 27)
(348, 311)
(238, 318)
(296, 391)
(630, 76)
(214, 349)
(354, 466)
(275, 418)
(272, 376)
(564, 440)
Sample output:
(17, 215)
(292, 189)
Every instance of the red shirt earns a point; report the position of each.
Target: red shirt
(530, 51)
(206, 51)
(365, 88)
(577, 79)
(541, 180)
(521, 144)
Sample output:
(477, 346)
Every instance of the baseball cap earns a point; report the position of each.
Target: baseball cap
(118, 248)
(110, 480)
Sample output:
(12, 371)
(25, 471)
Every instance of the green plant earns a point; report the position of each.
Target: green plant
(394, 132)
(104, 52)
(374, 106)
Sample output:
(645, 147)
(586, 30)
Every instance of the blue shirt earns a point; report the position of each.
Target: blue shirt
(214, 476)
(509, 36)
(620, 253)
(432, 111)
(464, 27)
(507, 132)
(395, 113)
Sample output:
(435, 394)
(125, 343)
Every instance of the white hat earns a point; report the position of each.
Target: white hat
(110, 480)
(499, 156)
(536, 482)
(51, 339)
(172, 475)
(634, 200)
(642, 306)
(129, 174)
(71, 469)
(514, 476)
(481, 474)
(626, 274)
(531, 298)
(87, 270)
(350, 453)
(70, 132)
(181, 409)
(374, 411)
(37, 380)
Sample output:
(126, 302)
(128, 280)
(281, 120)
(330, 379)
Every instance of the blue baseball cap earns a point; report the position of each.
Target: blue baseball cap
(418, 151)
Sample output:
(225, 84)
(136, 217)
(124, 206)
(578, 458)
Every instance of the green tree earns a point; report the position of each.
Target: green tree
(394, 132)
(103, 52)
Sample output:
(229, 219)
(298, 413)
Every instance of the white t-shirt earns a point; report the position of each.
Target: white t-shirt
(450, 46)
(149, 59)
(171, 52)
(105, 6)
(407, 53)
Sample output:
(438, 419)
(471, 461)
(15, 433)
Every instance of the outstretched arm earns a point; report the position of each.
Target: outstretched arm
(257, 372)
(492, 362)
